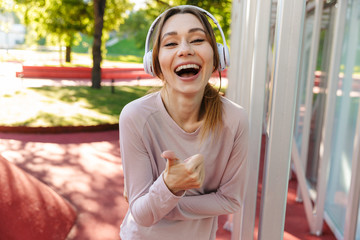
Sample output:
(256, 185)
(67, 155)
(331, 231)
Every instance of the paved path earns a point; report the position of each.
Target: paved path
(85, 168)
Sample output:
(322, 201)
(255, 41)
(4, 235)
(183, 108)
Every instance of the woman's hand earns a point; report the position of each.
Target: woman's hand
(181, 175)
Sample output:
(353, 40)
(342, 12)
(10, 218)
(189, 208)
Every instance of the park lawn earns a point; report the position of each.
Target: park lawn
(66, 106)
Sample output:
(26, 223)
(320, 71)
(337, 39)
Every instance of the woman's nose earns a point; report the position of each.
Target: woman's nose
(185, 49)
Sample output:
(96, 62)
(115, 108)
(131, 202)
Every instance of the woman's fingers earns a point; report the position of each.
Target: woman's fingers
(171, 157)
(168, 154)
(183, 175)
(194, 162)
(195, 165)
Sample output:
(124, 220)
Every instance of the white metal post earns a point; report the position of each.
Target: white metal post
(310, 84)
(236, 29)
(240, 72)
(290, 21)
(257, 95)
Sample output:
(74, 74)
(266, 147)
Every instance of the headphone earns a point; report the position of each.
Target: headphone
(223, 50)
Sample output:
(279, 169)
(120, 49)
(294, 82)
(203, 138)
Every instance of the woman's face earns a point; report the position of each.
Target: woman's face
(185, 55)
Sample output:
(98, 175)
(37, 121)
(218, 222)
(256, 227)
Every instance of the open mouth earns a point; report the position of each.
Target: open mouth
(187, 70)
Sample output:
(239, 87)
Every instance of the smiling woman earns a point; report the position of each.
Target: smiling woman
(183, 148)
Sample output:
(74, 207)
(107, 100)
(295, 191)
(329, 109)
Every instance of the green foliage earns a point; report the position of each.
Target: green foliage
(62, 21)
(138, 23)
(58, 21)
(115, 13)
(136, 27)
(84, 45)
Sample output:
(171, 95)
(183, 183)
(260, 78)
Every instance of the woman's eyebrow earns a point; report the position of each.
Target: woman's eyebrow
(196, 29)
(190, 31)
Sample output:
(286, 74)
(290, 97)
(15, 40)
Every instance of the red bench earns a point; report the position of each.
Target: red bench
(81, 73)
(85, 73)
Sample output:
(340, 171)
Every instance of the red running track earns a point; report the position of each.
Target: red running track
(85, 169)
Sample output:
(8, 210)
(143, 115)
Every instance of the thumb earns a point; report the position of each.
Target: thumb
(170, 156)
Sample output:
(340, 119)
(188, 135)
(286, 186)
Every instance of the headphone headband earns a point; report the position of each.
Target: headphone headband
(223, 49)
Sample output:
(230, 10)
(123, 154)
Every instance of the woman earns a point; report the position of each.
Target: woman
(183, 148)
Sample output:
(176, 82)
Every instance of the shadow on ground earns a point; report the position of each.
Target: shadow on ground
(85, 168)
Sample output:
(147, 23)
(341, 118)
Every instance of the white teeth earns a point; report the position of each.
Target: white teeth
(186, 66)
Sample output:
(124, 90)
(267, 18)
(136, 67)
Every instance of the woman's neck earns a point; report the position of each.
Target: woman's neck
(185, 110)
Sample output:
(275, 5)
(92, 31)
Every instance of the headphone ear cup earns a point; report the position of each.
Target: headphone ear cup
(221, 51)
(227, 56)
(147, 61)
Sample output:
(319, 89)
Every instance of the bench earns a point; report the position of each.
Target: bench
(85, 73)
(81, 73)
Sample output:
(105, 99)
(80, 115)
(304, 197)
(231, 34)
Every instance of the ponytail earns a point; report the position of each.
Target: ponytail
(212, 106)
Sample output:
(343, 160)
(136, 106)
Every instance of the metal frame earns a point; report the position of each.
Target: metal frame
(300, 159)
(327, 129)
(237, 30)
(315, 215)
(290, 21)
(236, 19)
(231, 93)
(352, 209)
(243, 15)
(310, 85)
(246, 88)
(257, 95)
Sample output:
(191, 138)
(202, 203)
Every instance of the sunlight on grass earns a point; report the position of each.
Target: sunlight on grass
(124, 58)
(66, 106)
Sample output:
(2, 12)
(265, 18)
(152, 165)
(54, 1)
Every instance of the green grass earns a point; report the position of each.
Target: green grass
(66, 106)
(124, 58)
(125, 46)
(123, 51)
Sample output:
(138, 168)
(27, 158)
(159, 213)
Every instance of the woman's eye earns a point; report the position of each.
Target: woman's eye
(198, 40)
(170, 44)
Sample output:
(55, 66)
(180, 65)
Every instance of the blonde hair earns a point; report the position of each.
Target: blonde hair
(211, 106)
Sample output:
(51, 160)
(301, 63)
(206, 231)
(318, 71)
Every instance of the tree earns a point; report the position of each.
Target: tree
(136, 27)
(99, 10)
(60, 22)
(105, 20)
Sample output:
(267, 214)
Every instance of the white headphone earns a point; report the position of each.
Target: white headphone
(223, 50)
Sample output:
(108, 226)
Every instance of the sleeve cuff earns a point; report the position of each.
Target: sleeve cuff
(164, 188)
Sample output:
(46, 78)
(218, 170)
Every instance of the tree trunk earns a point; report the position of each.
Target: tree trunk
(60, 52)
(99, 9)
(68, 54)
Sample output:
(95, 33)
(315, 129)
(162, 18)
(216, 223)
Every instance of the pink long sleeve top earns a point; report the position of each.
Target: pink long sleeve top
(146, 130)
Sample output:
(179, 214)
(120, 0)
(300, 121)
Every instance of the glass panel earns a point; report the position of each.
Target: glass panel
(356, 77)
(301, 95)
(269, 83)
(348, 96)
(319, 97)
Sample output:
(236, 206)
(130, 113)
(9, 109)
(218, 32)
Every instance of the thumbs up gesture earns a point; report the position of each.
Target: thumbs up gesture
(181, 175)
